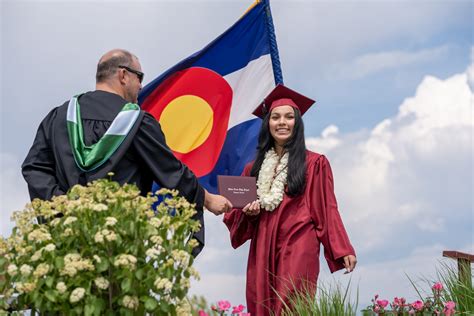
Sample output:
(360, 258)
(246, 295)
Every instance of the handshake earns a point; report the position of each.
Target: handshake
(216, 204)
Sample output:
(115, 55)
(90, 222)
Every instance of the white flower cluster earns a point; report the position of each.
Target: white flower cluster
(101, 283)
(272, 180)
(26, 270)
(39, 235)
(99, 207)
(130, 302)
(157, 240)
(154, 252)
(183, 308)
(25, 287)
(163, 284)
(68, 232)
(55, 222)
(155, 222)
(77, 295)
(104, 233)
(185, 283)
(49, 247)
(12, 269)
(126, 261)
(194, 273)
(41, 270)
(73, 263)
(70, 220)
(37, 255)
(181, 258)
(61, 287)
(110, 221)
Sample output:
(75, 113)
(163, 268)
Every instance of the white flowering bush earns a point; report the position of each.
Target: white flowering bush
(101, 250)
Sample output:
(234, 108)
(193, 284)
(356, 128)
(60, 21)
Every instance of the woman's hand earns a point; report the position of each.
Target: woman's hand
(252, 208)
(350, 262)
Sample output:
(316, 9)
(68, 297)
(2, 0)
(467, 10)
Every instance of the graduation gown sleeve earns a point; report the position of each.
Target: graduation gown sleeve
(324, 211)
(168, 171)
(241, 227)
(39, 169)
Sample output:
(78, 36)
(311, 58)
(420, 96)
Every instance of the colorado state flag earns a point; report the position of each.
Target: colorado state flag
(205, 103)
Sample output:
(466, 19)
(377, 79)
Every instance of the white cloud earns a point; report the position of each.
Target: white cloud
(411, 172)
(372, 63)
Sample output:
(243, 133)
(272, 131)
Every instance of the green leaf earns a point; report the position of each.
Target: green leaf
(165, 307)
(49, 281)
(103, 265)
(139, 274)
(3, 260)
(59, 263)
(150, 304)
(89, 309)
(99, 306)
(119, 240)
(50, 295)
(126, 285)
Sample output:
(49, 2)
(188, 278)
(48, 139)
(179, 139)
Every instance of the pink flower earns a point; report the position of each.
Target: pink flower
(418, 305)
(403, 301)
(223, 305)
(202, 313)
(437, 286)
(449, 305)
(243, 314)
(238, 309)
(396, 301)
(382, 303)
(449, 312)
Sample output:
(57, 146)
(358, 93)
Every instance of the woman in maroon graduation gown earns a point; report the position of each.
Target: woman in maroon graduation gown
(296, 210)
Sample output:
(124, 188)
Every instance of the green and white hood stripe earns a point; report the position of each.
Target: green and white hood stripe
(91, 157)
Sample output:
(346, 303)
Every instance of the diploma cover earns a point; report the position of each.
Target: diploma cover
(238, 190)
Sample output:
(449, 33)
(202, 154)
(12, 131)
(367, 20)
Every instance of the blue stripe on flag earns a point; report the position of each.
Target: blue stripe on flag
(246, 40)
(239, 149)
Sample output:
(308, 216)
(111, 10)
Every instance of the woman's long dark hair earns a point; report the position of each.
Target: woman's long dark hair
(296, 149)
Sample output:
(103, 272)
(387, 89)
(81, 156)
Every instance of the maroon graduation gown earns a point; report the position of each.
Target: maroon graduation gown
(284, 248)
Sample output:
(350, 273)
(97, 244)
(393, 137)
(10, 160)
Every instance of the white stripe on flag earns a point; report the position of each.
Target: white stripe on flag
(250, 85)
(123, 123)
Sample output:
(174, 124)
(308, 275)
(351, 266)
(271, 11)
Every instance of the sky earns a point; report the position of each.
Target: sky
(393, 81)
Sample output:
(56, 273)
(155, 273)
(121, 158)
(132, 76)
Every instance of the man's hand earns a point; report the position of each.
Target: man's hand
(252, 209)
(216, 204)
(350, 262)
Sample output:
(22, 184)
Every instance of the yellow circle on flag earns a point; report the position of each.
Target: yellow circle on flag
(187, 122)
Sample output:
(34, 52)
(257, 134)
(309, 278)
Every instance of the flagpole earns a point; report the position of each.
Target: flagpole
(273, 44)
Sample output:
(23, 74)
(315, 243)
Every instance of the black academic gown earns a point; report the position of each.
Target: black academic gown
(143, 157)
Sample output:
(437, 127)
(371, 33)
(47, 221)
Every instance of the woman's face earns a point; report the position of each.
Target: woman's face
(282, 121)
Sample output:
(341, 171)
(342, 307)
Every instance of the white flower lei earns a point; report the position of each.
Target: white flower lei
(270, 188)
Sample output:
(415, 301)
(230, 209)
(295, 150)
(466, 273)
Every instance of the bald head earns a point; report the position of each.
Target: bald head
(109, 63)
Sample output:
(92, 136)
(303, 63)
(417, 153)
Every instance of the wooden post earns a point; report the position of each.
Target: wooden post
(464, 265)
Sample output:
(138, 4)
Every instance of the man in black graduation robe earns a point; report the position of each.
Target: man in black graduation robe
(143, 157)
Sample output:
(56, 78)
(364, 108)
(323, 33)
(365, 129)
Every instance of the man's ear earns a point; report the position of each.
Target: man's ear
(122, 76)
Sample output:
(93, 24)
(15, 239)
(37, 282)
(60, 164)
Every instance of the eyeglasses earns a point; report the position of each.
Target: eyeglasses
(139, 74)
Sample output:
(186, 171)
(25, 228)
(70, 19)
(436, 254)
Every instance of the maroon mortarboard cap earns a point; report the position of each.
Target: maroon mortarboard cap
(282, 95)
